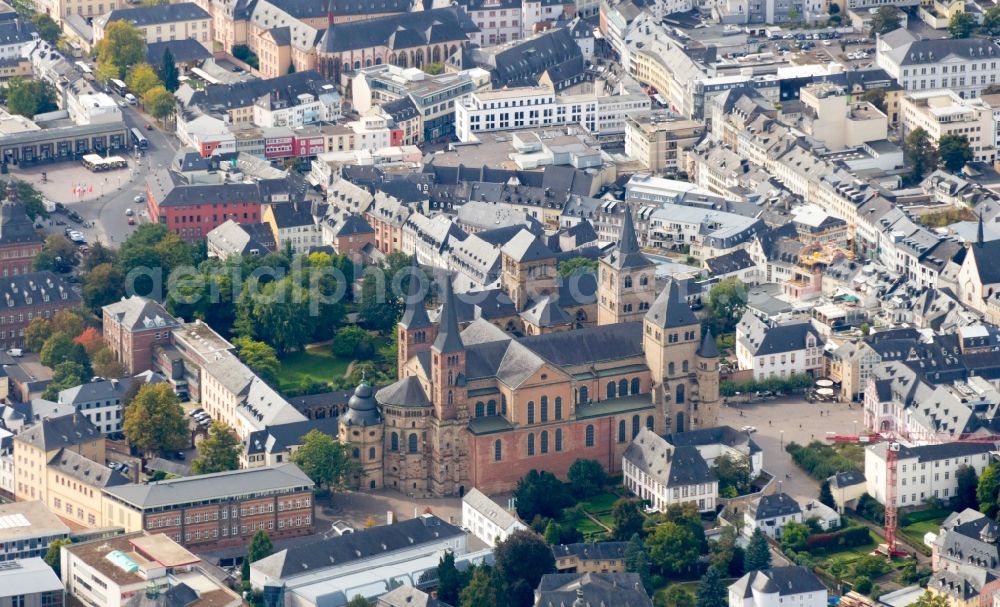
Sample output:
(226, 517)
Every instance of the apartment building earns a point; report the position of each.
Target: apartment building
(102, 401)
(486, 519)
(233, 394)
(663, 474)
(923, 472)
(216, 510)
(539, 107)
(132, 327)
(942, 112)
(29, 296)
(840, 123)
(660, 141)
(966, 66)
(778, 350)
(184, 20)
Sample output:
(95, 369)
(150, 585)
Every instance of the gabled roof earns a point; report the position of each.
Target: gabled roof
(771, 506)
(785, 581)
(398, 32)
(593, 589)
(354, 225)
(87, 471)
(670, 466)
(527, 247)
(626, 255)
(669, 310)
(159, 13)
(58, 432)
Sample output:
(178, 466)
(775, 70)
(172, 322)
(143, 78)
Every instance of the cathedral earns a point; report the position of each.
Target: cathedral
(478, 406)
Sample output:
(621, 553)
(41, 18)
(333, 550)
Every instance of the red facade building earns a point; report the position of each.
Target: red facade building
(192, 210)
(19, 241)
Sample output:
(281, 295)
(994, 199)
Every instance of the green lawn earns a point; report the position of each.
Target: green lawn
(316, 364)
(600, 504)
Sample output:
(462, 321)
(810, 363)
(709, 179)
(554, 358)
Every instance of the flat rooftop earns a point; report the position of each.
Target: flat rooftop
(200, 337)
(21, 520)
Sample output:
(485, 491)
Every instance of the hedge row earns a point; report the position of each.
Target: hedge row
(844, 538)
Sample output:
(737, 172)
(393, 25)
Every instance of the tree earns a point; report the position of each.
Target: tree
(965, 495)
(97, 255)
(326, 461)
(260, 547)
(577, 265)
(168, 71)
(627, 518)
(30, 97)
(60, 348)
(106, 71)
(991, 22)
(876, 97)
(91, 341)
(919, 153)
(711, 591)
(141, 78)
(758, 553)
(725, 553)
(677, 596)
(358, 601)
(930, 599)
(988, 489)
(67, 374)
(954, 151)
(885, 20)
(381, 303)
(353, 342)
(154, 420)
(733, 474)
(68, 322)
(57, 255)
(122, 46)
(637, 560)
(102, 286)
(726, 302)
(450, 579)
(794, 536)
(244, 54)
(160, 102)
(673, 547)
(52, 555)
(825, 495)
(961, 25)
(105, 364)
(219, 452)
(481, 591)
(48, 29)
(540, 494)
(280, 316)
(260, 357)
(38, 331)
(553, 534)
(521, 561)
(586, 478)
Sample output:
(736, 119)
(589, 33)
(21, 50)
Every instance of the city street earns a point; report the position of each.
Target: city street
(113, 192)
(784, 420)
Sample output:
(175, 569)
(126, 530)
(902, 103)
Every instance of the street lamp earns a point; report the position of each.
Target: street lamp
(782, 439)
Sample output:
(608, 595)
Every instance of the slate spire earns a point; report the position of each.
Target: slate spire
(708, 349)
(448, 338)
(415, 315)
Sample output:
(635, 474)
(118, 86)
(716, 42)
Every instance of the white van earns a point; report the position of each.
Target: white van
(130, 98)
(15, 352)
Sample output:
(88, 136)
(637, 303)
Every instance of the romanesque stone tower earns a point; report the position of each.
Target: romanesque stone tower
(707, 376)
(416, 333)
(626, 280)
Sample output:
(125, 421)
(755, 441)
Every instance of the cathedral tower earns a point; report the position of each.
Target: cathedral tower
(415, 331)
(361, 429)
(448, 361)
(707, 376)
(626, 280)
(670, 341)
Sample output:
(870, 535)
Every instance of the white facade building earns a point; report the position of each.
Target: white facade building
(27, 529)
(778, 587)
(306, 108)
(98, 108)
(486, 519)
(781, 350)
(923, 472)
(964, 65)
(770, 514)
(663, 474)
(538, 107)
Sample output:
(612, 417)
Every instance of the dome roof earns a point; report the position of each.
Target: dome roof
(362, 409)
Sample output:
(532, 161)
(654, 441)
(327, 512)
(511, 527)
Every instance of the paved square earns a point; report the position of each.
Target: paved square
(789, 419)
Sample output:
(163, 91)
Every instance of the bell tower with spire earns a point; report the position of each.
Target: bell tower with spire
(626, 280)
(448, 361)
(415, 331)
(331, 12)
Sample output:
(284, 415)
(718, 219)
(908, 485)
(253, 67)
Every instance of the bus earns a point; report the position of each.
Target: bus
(97, 163)
(117, 86)
(139, 140)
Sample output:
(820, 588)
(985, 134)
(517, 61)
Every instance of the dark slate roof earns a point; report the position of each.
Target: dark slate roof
(343, 8)
(935, 51)
(962, 539)
(15, 226)
(85, 470)
(730, 262)
(362, 544)
(353, 225)
(160, 13)
(292, 214)
(522, 63)
(566, 589)
(415, 314)
(783, 580)
(929, 453)
(282, 36)
(770, 506)
(847, 479)
(718, 435)
(786, 338)
(448, 338)
(15, 31)
(986, 256)
(602, 551)
(242, 94)
(626, 255)
(397, 32)
(93, 391)
(708, 349)
(186, 50)
(669, 465)
(22, 291)
(406, 392)
(362, 410)
(401, 109)
(669, 311)
(689, 468)
(58, 432)
(588, 345)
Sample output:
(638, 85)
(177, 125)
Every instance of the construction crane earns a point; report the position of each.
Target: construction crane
(891, 456)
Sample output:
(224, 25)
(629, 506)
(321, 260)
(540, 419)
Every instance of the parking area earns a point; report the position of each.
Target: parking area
(783, 420)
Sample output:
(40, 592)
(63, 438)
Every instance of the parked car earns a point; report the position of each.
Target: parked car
(140, 198)
(15, 352)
